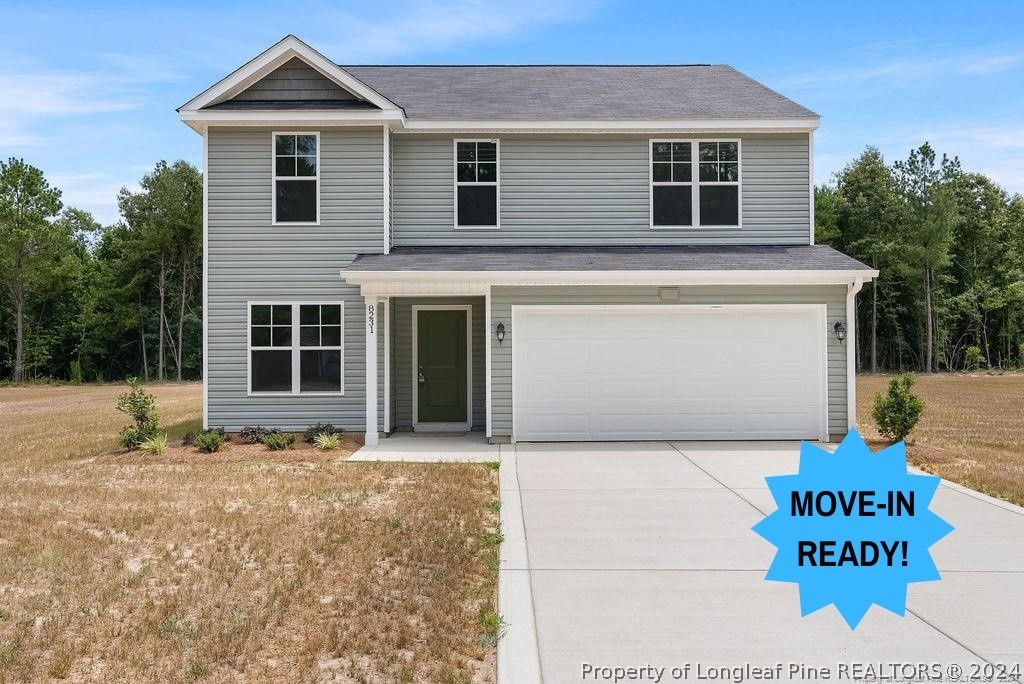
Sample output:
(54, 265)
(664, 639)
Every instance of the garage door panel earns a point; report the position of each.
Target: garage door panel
(556, 356)
(729, 372)
(571, 326)
(619, 425)
(703, 425)
(537, 389)
(636, 355)
(560, 426)
(648, 389)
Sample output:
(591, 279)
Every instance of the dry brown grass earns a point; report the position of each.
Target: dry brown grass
(972, 430)
(245, 565)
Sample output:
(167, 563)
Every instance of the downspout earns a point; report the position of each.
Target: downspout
(851, 352)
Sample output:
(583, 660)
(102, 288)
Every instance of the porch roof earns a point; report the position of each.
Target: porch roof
(609, 258)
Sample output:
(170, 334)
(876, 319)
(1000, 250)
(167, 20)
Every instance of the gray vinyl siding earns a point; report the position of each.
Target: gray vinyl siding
(294, 80)
(503, 298)
(249, 259)
(592, 190)
(401, 335)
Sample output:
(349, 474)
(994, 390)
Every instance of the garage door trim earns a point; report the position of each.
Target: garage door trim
(820, 310)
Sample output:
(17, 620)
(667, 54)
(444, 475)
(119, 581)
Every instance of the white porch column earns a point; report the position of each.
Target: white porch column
(487, 358)
(372, 434)
(851, 352)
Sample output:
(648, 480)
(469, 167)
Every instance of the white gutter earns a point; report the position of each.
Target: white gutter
(600, 277)
(851, 350)
(321, 117)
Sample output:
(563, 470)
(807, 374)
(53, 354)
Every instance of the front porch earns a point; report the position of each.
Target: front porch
(463, 447)
(426, 371)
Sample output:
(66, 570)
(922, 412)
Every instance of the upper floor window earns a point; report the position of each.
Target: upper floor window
(695, 183)
(476, 183)
(296, 178)
(296, 348)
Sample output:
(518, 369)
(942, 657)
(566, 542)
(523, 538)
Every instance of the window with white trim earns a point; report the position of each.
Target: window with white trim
(695, 183)
(476, 183)
(296, 348)
(296, 178)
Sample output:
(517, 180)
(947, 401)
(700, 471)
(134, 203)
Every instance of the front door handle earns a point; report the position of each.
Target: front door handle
(420, 378)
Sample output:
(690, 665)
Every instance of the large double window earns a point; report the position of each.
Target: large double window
(476, 184)
(296, 348)
(296, 178)
(695, 183)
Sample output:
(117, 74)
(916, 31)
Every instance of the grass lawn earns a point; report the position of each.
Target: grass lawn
(972, 430)
(245, 565)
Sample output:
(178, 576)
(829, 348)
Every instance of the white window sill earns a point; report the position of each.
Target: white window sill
(296, 394)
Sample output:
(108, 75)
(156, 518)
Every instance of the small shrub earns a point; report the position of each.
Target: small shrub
(155, 445)
(209, 441)
(254, 434)
(327, 441)
(309, 436)
(897, 411)
(129, 438)
(140, 405)
(188, 439)
(279, 441)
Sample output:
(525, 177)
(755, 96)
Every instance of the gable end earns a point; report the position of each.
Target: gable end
(295, 80)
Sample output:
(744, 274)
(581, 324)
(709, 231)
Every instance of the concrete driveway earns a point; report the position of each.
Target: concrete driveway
(622, 555)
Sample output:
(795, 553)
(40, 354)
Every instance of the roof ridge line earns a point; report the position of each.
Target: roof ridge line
(456, 66)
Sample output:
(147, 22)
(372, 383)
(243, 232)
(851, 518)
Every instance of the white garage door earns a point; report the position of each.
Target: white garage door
(668, 372)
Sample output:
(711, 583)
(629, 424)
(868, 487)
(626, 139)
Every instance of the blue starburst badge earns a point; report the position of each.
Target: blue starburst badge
(853, 528)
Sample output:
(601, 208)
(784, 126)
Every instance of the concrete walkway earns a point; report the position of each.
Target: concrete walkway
(623, 555)
(427, 447)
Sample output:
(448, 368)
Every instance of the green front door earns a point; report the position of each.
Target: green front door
(441, 371)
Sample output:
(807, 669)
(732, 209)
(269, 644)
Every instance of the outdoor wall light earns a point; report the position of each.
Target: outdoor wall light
(839, 330)
(499, 332)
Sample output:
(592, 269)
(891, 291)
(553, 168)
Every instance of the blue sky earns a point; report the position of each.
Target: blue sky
(88, 91)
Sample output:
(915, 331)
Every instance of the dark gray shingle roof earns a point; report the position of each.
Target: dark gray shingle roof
(577, 92)
(611, 258)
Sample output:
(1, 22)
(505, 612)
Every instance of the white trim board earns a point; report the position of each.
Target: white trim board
(820, 311)
(326, 118)
(206, 279)
(400, 283)
(417, 426)
(851, 352)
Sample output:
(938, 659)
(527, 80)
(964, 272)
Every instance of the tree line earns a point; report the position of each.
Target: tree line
(84, 302)
(949, 245)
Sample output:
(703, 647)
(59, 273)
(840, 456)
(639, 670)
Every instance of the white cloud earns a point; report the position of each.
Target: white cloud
(879, 74)
(93, 192)
(430, 25)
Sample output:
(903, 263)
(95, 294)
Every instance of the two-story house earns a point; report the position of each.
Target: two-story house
(540, 252)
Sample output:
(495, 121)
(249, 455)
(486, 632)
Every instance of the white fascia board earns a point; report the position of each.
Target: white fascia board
(270, 59)
(802, 125)
(308, 117)
(736, 277)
